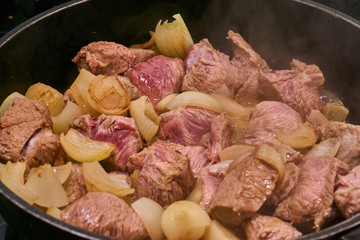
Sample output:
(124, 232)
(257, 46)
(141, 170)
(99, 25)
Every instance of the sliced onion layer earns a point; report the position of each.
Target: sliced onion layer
(195, 99)
(234, 151)
(9, 101)
(316, 117)
(335, 111)
(62, 121)
(328, 147)
(197, 192)
(150, 213)
(63, 172)
(217, 231)
(302, 137)
(54, 212)
(231, 107)
(162, 105)
(83, 149)
(184, 220)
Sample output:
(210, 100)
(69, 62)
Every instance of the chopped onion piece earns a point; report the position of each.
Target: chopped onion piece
(98, 180)
(302, 137)
(335, 111)
(62, 121)
(162, 105)
(197, 193)
(146, 121)
(107, 95)
(83, 149)
(316, 117)
(44, 182)
(195, 99)
(328, 147)
(13, 178)
(150, 213)
(173, 39)
(271, 156)
(231, 107)
(184, 220)
(2, 168)
(147, 45)
(217, 231)
(234, 151)
(54, 212)
(220, 168)
(63, 172)
(9, 101)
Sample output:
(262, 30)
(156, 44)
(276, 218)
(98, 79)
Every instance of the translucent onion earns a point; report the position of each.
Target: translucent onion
(79, 90)
(98, 180)
(9, 101)
(231, 107)
(328, 147)
(54, 212)
(335, 111)
(197, 192)
(44, 182)
(145, 117)
(51, 97)
(316, 117)
(107, 95)
(217, 231)
(184, 220)
(63, 172)
(150, 213)
(220, 168)
(83, 149)
(173, 39)
(271, 156)
(234, 151)
(147, 45)
(13, 178)
(195, 99)
(162, 105)
(302, 137)
(62, 121)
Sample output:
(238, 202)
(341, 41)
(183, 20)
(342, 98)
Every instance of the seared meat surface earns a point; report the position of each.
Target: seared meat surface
(75, 184)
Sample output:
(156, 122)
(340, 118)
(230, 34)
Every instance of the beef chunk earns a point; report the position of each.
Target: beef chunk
(209, 185)
(75, 186)
(186, 125)
(312, 198)
(25, 134)
(210, 71)
(271, 228)
(349, 136)
(297, 87)
(347, 194)
(268, 118)
(106, 58)
(105, 214)
(133, 91)
(141, 55)
(243, 191)
(119, 130)
(166, 176)
(250, 65)
(158, 77)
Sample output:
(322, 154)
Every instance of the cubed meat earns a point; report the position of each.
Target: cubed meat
(209, 185)
(141, 55)
(130, 88)
(106, 214)
(74, 185)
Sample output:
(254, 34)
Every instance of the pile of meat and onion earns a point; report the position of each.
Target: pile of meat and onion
(175, 140)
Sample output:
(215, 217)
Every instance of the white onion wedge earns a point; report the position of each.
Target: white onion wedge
(44, 182)
(162, 105)
(98, 180)
(328, 147)
(62, 121)
(335, 111)
(150, 213)
(302, 137)
(197, 193)
(316, 117)
(83, 149)
(271, 156)
(184, 220)
(9, 101)
(234, 151)
(231, 107)
(63, 172)
(217, 231)
(54, 212)
(195, 99)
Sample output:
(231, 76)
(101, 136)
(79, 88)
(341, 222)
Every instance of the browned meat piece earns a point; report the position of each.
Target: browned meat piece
(141, 55)
(186, 125)
(105, 214)
(210, 184)
(210, 71)
(75, 186)
(250, 65)
(25, 134)
(267, 119)
(347, 194)
(166, 176)
(261, 227)
(106, 58)
(158, 77)
(133, 91)
(119, 130)
(243, 191)
(313, 197)
(349, 136)
(297, 87)
(68, 96)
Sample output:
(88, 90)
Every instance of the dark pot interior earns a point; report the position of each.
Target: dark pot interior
(41, 49)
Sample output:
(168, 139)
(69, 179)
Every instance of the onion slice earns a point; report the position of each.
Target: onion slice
(328, 147)
(62, 121)
(217, 231)
(83, 149)
(54, 212)
(316, 117)
(302, 137)
(63, 172)
(234, 151)
(231, 107)
(195, 99)
(197, 193)
(220, 168)
(9, 101)
(162, 105)
(150, 213)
